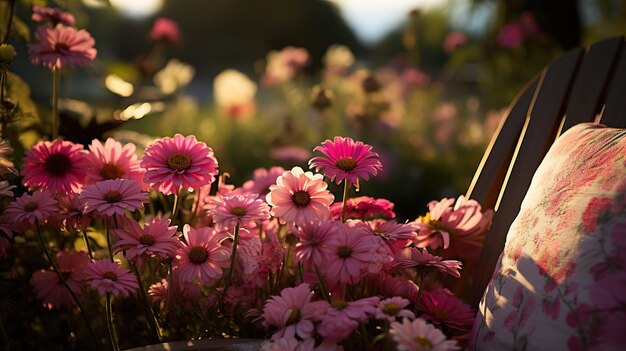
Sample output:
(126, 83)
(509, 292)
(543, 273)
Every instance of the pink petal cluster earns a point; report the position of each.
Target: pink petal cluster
(165, 30)
(179, 162)
(442, 308)
(420, 258)
(57, 166)
(52, 16)
(113, 197)
(292, 312)
(244, 209)
(396, 235)
(417, 335)
(299, 197)
(110, 278)
(346, 159)
(156, 239)
(28, 209)
(283, 65)
(62, 46)
(392, 308)
(203, 257)
(50, 290)
(314, 242)
(453, 41)
(262, 179)
(111, 160)
(339, 318)
(364, 208)
(72, 213)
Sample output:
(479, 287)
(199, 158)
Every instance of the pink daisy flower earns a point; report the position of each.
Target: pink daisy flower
(57, 166)
(230, 210)
(364, 208)
(111, 197)
(52, 16)
(396, 235)
(203, 257)
(50, 290)
(292, 312)
(350, 254)
(441, 307)
(393, 308)
(27, 209)
(346, 159)
(340, 318)
(158, 291)
(62, 46)
(391, 286)
(156, 239)
(109, 277)
(299, 197)
(111, 160)
(5, 189)
(6, 165)
(72, 213)
(166, 30)
(172, 163)
(420, 259)
(417, 335)
(262, 179)
(314, 238)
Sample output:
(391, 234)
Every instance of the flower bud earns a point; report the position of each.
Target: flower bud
(7, 54)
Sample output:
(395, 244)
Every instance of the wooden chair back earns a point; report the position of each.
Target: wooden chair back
(580, 86)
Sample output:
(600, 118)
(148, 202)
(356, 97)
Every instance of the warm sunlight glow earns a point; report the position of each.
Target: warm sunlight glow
(137, 8)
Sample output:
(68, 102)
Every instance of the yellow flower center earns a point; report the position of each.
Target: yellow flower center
(198, 255)
(179, 161)
(301, 198)
(111, 171)
(339, 304)
(345, 164)
(112, 196)
(423, 342)
(295, 315)
(238, 211)
(391, 309)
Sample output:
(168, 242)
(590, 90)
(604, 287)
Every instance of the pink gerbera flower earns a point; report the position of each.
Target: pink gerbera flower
(27, 209)
(62, 46)
(393, 308)
(109, 277)
(57, 166)
(417, 335)
(421, 259)
(111, 197)
(50, 290)
(292, 312)
(72, 213)
(111, 160)
(396, 235)
(300, 197)
(441, 307)
(166, 30)
(314, 238)
(156, 239)
(364, 208)
(230, 210)
(340, 318)
(203, 256)
(262, 180)
(346, 159)
(172, 163)
(53, 16)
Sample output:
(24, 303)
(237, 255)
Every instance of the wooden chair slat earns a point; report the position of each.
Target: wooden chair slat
(590, 86)
(539, 132)
(615, 106)
(487, 182)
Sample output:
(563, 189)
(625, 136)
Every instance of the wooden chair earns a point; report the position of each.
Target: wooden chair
(580, 86)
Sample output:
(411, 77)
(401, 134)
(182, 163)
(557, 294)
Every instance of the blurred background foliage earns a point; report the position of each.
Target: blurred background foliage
(428, 94)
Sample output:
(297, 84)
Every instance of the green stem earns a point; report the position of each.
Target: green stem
(56, 77)
(150, 317)
(86, 237)
(9, 21)
(231, 269)
(62, 280)
(110, 326)
(346, 188)
(322, 285)
(422, 275)
(108, 236)
(175, 209)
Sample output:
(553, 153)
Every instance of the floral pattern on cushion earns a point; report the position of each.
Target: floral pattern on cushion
(560, 283)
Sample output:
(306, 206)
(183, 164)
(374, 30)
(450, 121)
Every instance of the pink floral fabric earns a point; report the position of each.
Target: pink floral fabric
(560, 283)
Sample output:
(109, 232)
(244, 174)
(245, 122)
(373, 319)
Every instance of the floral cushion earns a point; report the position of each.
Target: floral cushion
(560, 283)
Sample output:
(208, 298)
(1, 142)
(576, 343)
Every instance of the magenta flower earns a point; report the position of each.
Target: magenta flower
(27, 209)
(393, 308)
(391, 286)
(453, 41)
(262, 180)
(340, 318)
(57, 166)
(62, 46)
(156, 239)
(53, 16)
(511, 35)
(72, 213)
(417, 335)
(203, 257)
(314, 238)
(165, 30)
(109, 277)
(50, 290)
(299, 197)
(364, 208)
(6, 189)
(283, 65)
(111, 197)
(441, 307)
(292, 312)
(111, 160)
(346, 159)
(420, 259)
(396, 235)
(172, 163)
(230, 210)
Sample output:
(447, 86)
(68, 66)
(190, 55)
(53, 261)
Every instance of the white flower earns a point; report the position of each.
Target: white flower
(338, 57)
(418, 335)
(232, 87)
(174, 76)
